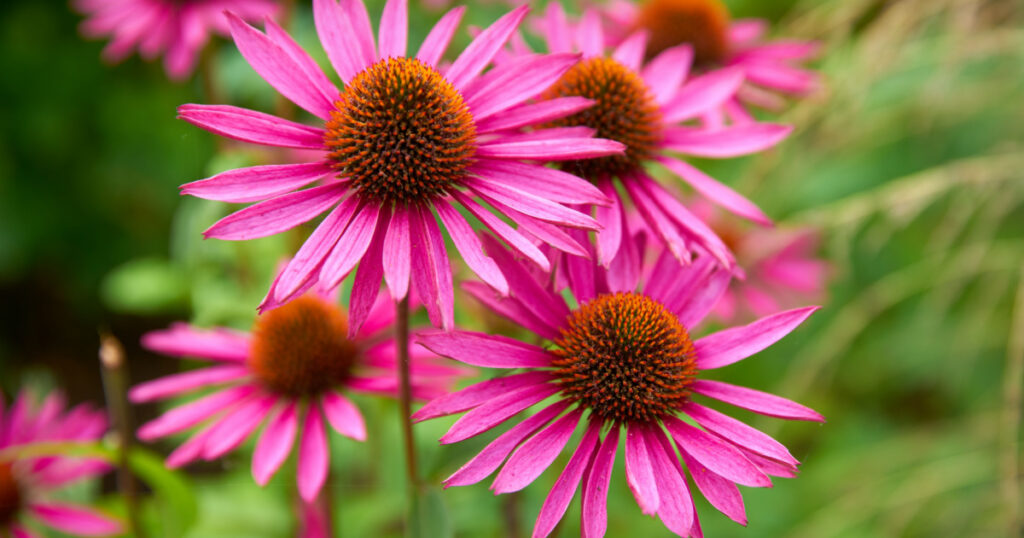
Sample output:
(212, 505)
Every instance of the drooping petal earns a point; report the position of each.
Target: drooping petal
(612, 221)
(396, 259)
(192, 413)
(244, 185)
(431, 272)
(523, 286)
(720, 492)
(511, 309)
(548, 233)
(718, 456)
(715, 191)
(236, 425)
(536, 454)
(738, 433)
(595, 487)
(440, 35)
(534, 114)
(344, 416)
(726, 142)
(313, 457)
(275, 444)
(542, 181)
(351, 246)
(755, 400)
(496, 411)
(276, 214)
(76, 520)
(531, 205)
(394, 29)
(640, 471)
(301, 58)
(479, 349)
(481, 51)
(515, 239)
(569, 149)
(173, 384)
(731, 345)
(562, 491)
(478, 393)
(675, 507)
(517, 84)
(366, 284)
(251, 126)
(469, 246)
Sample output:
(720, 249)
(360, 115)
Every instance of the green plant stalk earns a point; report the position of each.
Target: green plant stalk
(115, 387)
(405, 407)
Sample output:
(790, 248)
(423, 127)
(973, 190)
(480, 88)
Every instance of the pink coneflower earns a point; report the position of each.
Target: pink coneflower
(295, 367)
(178, 29)
(404, 140)
(646, 107)
(770, 67)
(24, 482)
(622, 360)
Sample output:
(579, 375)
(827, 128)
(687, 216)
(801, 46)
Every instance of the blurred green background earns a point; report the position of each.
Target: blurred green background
(910, 162)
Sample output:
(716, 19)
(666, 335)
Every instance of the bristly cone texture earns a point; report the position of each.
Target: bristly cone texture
(625, 357)
(401, 133)
(10, 496)
(704, 24)
(301, 348)
(625, 112)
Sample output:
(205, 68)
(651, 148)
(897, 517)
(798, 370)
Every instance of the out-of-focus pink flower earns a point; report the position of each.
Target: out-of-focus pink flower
(624, 360)
(770, 67)
(24, 482)
(402, 141)
(295, 367)
(178, 29)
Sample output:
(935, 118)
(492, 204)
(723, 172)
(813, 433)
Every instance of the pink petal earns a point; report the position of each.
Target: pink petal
(595, 487)
(243, 185)
(755, 400)
(510, 309)
(738, 433)
(548, 233)
(171, 385)
(313, 251)
(275, 444)
(547, 305)
(747, 30)
(718, 456)
(236, 425)
(478, 349)
(548, 183)
(491, 457)
(675, 507)
(344, 416)
(569, 149)
(279, 69)
(313, 453)
(721, 493)
(536, 454)
(534, 114)
(725, 142)
(612, 220)
(715, 191)
(339, 39)
(516, 84)
(667, 71)
(20, 532)
(631, 52)
(481, 51)
(76, 520)
(514, 239)
(640, 471)
(192, 413)
(394, 29)
(431, 272)
(468, 244)
(693, 225)
(589, 36)
(781, 77)
(496, 411)
(440, 36)
(359, 20)
(731, 345)
(305, 62)
(556, 28)
(478, 393)
(277, 214)
(191, 449)
(351, 246)
(251, 126)
(625, 270)
(531, 205)
(366, 284)
(704, 93)
(770, 466)
(395, 255)
(562, 491)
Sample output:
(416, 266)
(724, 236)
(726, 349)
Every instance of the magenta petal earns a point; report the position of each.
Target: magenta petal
(236, 425)
(536, 454)
(76, 520)
(302, 58)
(595, 487)
(548, 183)
(313, 463)
(431, 272)
(243, 185)
(344, 416)
(716, 455)
(569, 149)
(546, 232)
(516, 84)
(531, 205)
(478, 349)
(534, 113)
(491, 457)
(755, 400)
(781, 77)
(524, 286)
(770, 466)
(630, 52)
(395, 258)
(481, 51)
(440, 36)
(359, 20)
(496, 411)
(366, 284)
(725, 142)
(640, 471)
(667, 71)
(720, 492)
(251, 126)
(171, 385)
(700, 303)
(339, 39)
(730, 345)
(351, 246)
(743, 31)
(277, 214)
(192, 413)
(510, 309)
(556, 28)
(275, 444)
(612, 220)
(702, 94)
(313, 251)
(279, 69)
(589, 34)
(738, 433)
(715, 191)
(191, 449)
(478, 393)
(689, 222)
(562, 491)
(394, 29)
(468, 244)
(626, 268)
(514, 239)
(20, 532)
(675, 507)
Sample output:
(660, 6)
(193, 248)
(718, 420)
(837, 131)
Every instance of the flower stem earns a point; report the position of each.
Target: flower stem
(405, 403)
(115, 385)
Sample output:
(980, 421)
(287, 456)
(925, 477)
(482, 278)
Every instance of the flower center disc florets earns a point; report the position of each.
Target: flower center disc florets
(701, 23)
(401, 132)
(625, 111)
(302, 348)
(626, 358)
(10, 496)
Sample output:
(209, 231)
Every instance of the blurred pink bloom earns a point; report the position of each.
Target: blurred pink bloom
(647, 106)
(623, 360)
(178, 29)
(24, 482)
(403, 141)
(295, 368)
(770, 68)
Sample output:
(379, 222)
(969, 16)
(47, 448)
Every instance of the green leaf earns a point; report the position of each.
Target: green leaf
(429, 516)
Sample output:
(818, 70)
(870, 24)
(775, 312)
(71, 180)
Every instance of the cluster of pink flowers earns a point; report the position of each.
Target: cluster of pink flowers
(544, 170)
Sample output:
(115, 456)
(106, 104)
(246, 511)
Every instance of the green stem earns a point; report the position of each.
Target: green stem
(115, 386)
(405, 403)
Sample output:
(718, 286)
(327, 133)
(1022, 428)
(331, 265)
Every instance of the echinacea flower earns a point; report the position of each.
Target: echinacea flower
(25, 482)
(178, 29)
(770, 68)
(295, 367)
(403, 140)
(646, 106)
(624, 360)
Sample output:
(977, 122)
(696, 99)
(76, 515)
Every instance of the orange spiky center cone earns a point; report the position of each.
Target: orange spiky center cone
(704, 24)
(625, 357)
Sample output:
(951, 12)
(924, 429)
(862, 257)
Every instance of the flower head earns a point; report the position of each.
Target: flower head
(295, 367)
(25, 481)
(178, 29)
(769, 67)
(623, 358)
(405, 143)
(648, 107)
